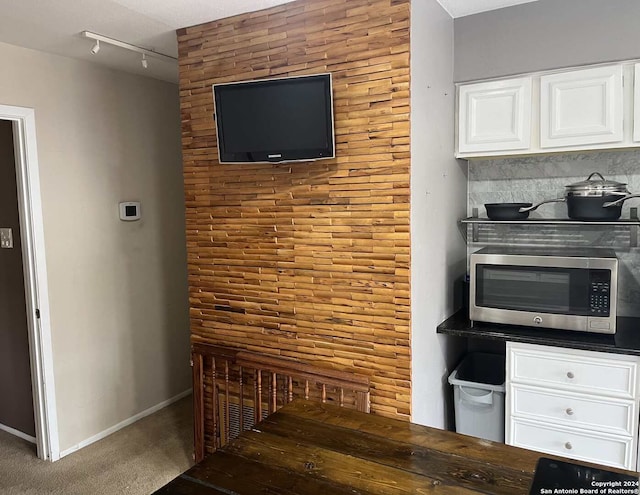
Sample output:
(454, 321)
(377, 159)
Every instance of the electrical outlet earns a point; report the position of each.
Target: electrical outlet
(6, 239)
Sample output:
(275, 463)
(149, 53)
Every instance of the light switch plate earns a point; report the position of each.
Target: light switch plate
(6, 238)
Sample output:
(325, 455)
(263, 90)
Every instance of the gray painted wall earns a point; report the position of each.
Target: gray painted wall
(118, 291)
(438, 189)
(543, 35)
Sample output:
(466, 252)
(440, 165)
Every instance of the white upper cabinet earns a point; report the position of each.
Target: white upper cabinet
(589, 108)
(495, 116)
(581, 107)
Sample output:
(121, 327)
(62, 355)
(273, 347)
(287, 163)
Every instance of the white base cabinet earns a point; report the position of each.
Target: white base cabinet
(573, 403)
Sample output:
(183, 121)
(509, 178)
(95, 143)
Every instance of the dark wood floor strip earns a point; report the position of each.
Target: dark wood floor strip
(218, 489)
(181, 486)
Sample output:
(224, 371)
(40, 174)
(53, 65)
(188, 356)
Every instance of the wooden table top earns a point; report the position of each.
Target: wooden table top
(313, 448)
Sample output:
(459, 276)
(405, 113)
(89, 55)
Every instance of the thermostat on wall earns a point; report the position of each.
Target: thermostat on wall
(130, 211)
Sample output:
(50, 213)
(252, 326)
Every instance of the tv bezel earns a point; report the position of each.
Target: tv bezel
(277, 156)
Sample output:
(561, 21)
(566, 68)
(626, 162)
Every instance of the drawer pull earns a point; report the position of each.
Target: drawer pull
(569, 411)
(568, 446)
(570, 375)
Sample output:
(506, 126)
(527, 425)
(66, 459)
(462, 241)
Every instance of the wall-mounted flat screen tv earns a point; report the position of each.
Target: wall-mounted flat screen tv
(275, 120)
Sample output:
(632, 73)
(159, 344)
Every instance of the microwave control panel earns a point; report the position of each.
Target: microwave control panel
(599, 294)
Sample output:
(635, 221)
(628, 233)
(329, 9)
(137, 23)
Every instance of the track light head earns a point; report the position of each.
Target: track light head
(96, 47)
(145, 63)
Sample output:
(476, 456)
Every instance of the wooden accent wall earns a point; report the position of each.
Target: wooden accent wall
(306, 260)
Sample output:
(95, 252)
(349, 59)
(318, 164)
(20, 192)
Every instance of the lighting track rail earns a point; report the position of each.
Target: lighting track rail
(127, 46)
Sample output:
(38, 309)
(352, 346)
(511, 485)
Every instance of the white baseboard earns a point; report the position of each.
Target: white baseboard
(17, 433)
(124, 423)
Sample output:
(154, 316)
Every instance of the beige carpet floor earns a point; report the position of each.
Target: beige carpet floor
(136, 460)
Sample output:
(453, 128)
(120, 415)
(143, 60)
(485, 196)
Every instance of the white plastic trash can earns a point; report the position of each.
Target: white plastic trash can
(478, 395)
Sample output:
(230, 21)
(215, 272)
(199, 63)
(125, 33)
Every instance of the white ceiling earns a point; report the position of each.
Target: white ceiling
(54, 26)
(461, 8)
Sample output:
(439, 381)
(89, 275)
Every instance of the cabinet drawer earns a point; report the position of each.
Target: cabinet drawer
(581, 445)
(608, 415)
(572, 370)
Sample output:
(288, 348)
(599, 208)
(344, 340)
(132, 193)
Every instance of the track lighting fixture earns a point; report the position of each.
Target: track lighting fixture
(127, 46)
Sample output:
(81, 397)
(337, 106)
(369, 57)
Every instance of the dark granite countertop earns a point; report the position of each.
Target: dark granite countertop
(626, 340)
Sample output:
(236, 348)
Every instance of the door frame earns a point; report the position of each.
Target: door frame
(35, 278)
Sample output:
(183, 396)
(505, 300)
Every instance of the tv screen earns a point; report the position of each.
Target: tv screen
(275, 120)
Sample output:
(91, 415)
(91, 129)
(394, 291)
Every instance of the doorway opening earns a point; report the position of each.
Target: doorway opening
(16, 406)
(30, 239)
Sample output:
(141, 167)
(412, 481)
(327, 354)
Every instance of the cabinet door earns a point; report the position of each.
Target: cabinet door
(581, 107)
(494, 116)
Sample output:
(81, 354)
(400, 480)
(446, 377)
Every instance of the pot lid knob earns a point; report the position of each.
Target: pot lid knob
(596, 173)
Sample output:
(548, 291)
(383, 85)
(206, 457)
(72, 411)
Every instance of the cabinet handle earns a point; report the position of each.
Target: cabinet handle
(570, 374)
(569, 411)
(568, 446)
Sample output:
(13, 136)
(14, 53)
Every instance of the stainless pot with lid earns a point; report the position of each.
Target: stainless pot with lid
(596, 198)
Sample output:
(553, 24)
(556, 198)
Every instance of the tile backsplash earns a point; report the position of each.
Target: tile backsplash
(536, 178)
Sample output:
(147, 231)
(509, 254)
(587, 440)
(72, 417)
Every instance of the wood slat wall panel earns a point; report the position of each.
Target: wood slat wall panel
(306, 260)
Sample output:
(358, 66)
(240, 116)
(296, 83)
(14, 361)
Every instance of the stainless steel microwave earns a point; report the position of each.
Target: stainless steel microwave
(570, 289)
